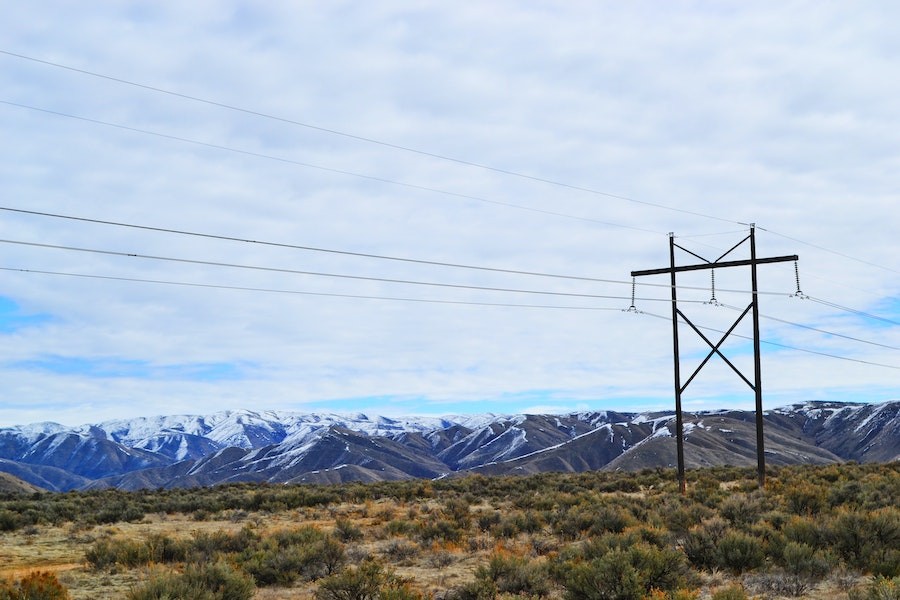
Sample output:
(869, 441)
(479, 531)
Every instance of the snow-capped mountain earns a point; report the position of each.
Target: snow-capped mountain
(288, 447)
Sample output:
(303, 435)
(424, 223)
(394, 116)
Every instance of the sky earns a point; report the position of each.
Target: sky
(332, 206)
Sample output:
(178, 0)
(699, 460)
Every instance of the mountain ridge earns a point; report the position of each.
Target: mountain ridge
(292, 447)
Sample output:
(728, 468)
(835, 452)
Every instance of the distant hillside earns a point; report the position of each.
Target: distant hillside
(10, 484)
(284, 447)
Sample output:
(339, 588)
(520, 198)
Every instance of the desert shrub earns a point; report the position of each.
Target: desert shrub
(220, 578)
(457, 510)
(399, 527)
(883, 549)
(505, 529)
(570, 524)
(680, 519)
(806, 562)
(270, 564)
(617, 567)
(366, 582)
(609, 519)
(276, 562)
(804, 499)
(300, 536)
(164, 549)
(528, 521)
(516, 575)
(846, 495)
(440, 529)
(741, 510)
(401, 550)
(732, 592)
(108, 553)
(346, 531)
(480, 589)
(117, 512)
(663, 569)
(738, 552)
(207, 545)
(213, 581)
(486, 519)
(610, 577)
(804, 530)
(9, 520)
(38, 585)
(702, 542)
(880, 589)
(868, 541)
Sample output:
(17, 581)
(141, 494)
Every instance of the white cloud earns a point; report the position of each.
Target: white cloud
(771, 113)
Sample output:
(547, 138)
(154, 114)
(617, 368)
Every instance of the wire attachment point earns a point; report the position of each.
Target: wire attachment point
(798, 293)
(632, 308)
(712, 299)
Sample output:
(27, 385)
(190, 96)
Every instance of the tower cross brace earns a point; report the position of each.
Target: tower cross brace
(753, 308)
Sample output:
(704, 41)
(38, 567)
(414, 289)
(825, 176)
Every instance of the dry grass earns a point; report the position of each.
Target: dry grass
(433, 565)
(61, 550)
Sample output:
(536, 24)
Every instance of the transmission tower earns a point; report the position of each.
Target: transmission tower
(752, 308)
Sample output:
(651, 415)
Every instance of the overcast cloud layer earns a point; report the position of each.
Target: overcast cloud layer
(782, 114)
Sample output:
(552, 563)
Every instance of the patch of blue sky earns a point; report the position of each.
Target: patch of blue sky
(889, 311)
(542, 401)
(108, 368)
(13, 318)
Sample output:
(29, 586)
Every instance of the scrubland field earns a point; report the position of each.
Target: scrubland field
(829, 532)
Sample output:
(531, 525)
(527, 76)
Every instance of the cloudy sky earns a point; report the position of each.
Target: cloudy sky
(204, 204)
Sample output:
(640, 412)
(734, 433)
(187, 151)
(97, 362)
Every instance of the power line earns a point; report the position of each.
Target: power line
(367, 139)
(322, 168)
(309, 248)
(360, 254)
(428, 154)
(306, 293)
(852, 310)
(816, 329)
(816, 352)
(322, 274)
(829, 250)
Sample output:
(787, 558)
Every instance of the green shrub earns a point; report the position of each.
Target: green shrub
(9, 520)
(611, 577)
(663, 569)
(440, 529)
(732, 592)
(702, 542)
(516, 575)
(275, 562)
(347, 531)
(108, 553)
(401, 550)
(480, 589)
(804, 561)
(359, 583)
(880, 589)
(804, 499)
(213, 581)
(741, 510)
(738, 552)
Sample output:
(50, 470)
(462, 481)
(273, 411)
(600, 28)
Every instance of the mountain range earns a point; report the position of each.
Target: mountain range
(289, 447)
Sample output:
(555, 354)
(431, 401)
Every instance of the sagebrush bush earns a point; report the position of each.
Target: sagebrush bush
(611, 577)
(702, 542)
(732, 592)
(213, 581)
(516, 575)
(738, 552)
(368, 581)
(881, 588)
